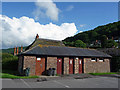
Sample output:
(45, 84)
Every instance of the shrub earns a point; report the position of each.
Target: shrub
(79, 43)
(9, 61)
(115, 64)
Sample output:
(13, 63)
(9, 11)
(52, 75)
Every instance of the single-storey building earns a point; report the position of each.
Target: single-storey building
(43, 54)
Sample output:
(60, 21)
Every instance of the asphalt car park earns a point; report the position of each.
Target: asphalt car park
(94, 82)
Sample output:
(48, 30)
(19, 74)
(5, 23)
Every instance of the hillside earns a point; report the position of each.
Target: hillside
(110, 31)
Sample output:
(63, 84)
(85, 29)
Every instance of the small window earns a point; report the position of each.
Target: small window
(38, 59)
(93, 59)
(101, 59)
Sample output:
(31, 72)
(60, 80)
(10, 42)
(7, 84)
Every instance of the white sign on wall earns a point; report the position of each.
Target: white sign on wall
(59, 60)
(70, 61)
(80, 61)
(76, 58)
(38, 59)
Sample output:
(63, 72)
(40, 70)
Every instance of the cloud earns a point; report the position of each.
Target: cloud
(82, 25)
(80, 31)
(69, 8)
(46, 9)
(22, 31)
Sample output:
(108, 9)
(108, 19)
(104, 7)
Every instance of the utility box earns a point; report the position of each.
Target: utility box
(53, 71)
(27, 71)
(50, 72)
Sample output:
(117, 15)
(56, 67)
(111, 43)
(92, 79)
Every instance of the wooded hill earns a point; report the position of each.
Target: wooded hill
(109, 31)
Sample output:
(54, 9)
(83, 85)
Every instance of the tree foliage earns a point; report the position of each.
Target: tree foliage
(104, 41)
(9, 62)
(111, 43)
(79, 43)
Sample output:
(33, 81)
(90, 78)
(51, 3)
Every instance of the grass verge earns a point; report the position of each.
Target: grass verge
(104, 73)
(6, 75)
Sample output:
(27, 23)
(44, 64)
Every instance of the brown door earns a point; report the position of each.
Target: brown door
(40, 65)
(59, 66)
(80, 65)
(71, 66)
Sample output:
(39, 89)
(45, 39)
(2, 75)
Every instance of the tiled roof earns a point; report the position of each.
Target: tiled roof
(64, 51)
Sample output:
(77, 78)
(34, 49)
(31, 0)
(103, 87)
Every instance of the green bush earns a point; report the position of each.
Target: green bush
(79, 43)
(9, 62)
(115, 64)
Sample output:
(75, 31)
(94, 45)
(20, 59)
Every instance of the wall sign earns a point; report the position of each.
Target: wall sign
(80, 61)
(38, 59)
(76, 58)
(70, 61)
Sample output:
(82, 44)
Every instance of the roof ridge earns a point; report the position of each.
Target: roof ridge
(49, 39)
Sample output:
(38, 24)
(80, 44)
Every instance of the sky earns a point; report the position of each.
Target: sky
(21, 21)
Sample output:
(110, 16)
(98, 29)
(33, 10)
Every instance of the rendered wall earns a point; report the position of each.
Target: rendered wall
(30, 61)
(96, 67)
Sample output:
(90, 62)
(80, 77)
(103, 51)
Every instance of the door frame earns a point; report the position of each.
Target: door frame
(81, 65)
(62, 65)
(44, 61)
(73, 63)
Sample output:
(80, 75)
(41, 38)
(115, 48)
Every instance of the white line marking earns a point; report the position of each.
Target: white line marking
(25, 83)
(62, 84)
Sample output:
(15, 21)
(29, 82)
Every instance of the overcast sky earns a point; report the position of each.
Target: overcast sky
(21, 21)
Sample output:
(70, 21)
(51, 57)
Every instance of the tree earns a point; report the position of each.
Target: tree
(85, 38)
(103, 41)
(68, 43)
(79, 43)
(111, 43)
(93, 35)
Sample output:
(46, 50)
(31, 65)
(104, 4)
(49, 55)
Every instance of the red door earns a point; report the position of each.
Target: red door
(59, 66)
(71, 66)
(40, 66)
(80, 65)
